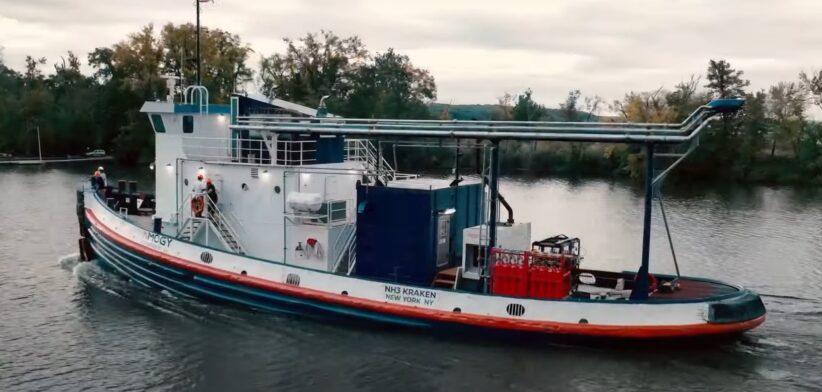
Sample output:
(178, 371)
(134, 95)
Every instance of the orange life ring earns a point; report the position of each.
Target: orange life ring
(197, 205)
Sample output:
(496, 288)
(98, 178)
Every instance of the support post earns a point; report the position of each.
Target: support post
(458, 154)
(640, 290)
(494, 185)
(39, 145)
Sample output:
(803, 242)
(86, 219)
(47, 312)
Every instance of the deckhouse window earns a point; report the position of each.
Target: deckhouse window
(188, 124)
(157, 122)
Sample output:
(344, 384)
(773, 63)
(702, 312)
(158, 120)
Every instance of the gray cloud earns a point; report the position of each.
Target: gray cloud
(477, 50)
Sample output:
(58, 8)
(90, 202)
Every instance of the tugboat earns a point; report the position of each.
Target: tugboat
(312, 218)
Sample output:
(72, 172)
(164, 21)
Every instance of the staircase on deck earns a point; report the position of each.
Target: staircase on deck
(447, 278)
(190, 229)
(213, 218)
(347, 257)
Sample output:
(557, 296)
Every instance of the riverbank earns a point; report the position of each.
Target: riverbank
(38, 161)
(606, 161)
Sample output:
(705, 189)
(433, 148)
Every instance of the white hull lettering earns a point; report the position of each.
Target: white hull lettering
(410, 295)
(159, 239)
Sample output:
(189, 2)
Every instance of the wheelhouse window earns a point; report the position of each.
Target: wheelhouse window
(157, 122)
(188, 124)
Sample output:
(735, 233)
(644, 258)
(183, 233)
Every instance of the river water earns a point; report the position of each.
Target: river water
(67, 326)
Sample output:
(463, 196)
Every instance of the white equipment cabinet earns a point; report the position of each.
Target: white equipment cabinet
(474, 240)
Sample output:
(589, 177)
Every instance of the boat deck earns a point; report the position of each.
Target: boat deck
(688, 288)
(694, 289)
(145, 222)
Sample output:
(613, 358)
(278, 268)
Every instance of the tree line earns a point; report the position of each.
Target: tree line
(771, 139)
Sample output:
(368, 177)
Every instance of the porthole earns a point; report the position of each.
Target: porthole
(457, 310)
(344, 292)
(583, 321)
(243, 272)
(185, 181)
(293, 279)
(206, 257)
(515, 309)
(244, 187)
(277, 189)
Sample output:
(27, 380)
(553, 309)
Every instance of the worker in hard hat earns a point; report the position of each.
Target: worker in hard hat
(98, 179)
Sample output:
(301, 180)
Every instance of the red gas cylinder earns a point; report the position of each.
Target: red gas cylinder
(498, 277)
(535, 288)
(520, 280)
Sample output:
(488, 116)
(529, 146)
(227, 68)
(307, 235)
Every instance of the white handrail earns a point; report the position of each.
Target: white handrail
(216, 218)
(349, 235)
(363, 150)
(202, 97)
(183, 214)
(352, 260)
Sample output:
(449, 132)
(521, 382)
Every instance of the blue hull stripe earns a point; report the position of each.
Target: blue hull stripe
(151, 274)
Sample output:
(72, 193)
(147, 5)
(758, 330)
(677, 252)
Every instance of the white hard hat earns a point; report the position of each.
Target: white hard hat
(100, 168)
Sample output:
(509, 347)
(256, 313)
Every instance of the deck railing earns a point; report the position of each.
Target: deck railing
(266, 152)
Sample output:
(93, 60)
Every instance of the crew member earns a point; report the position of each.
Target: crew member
(97, 180)
(200, 186)
(211, 191)
(197, 201)
(103, 176)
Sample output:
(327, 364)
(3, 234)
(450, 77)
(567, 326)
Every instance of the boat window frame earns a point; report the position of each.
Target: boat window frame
(157, 123)
(188, 123)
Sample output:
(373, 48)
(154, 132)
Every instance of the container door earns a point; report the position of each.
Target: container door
(443, 239)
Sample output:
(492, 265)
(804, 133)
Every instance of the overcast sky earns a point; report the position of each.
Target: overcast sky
(476, 50)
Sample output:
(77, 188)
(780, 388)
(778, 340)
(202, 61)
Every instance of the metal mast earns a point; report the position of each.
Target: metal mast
(198, 40)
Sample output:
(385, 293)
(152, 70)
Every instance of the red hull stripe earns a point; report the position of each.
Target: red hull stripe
(500, 323)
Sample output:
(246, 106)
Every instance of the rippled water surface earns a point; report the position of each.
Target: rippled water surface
(66, 326)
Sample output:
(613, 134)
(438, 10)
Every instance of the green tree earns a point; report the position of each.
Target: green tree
(723, 82)
(390, 86)
(312, 67)
(504, 109)
(685, 98)
(754, 127)
(526, 109)
(786, 104)
(11, 85)
(223, 58)
(569, 108)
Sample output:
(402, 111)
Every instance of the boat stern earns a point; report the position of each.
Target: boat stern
(743, 308)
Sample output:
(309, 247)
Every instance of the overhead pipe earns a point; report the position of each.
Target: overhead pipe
(489, 135)
(384, 125)
(530, 124)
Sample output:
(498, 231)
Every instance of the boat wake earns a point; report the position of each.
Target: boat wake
(69, 261)
(92, 275)
(788, 297)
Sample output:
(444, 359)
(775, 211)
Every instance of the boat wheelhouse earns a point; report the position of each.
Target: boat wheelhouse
(310, 217)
